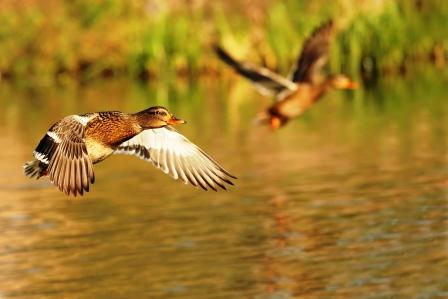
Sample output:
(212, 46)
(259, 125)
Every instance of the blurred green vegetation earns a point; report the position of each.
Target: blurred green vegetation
(48, 40)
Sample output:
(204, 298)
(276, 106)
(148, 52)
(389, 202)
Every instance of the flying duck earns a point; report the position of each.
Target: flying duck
(71, 146)
(297, 93)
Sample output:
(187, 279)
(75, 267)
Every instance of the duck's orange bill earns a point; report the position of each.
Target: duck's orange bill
(175, 121)
(352, 85)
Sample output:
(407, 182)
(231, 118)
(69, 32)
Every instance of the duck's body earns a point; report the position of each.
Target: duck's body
(71, 146)
(294, 103)
(121, 127)
(296, 94)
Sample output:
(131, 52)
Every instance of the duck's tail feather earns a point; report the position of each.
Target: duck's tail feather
(35, 168)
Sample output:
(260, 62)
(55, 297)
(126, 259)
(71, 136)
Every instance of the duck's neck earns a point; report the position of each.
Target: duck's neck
(320, 89)
(140, 118)
(327, 85)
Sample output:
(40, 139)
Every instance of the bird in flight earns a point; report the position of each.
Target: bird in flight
(71, 146)
(302, 88)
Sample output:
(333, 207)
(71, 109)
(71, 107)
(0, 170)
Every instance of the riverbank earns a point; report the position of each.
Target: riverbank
(56, 40)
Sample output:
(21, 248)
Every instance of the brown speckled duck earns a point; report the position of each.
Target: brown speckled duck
(296, 94)
(71, 146)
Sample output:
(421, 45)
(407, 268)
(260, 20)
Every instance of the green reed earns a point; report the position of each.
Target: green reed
(43, 40)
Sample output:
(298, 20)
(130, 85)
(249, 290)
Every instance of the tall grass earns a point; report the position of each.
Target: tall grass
(44, 40)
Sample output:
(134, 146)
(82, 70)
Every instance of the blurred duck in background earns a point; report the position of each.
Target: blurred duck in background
(303, 87)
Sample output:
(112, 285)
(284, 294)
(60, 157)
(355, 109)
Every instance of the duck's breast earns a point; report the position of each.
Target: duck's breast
(97, 150)
(297, 102)
(106, 132)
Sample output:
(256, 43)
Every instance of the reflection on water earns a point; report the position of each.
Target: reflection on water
(348, 202)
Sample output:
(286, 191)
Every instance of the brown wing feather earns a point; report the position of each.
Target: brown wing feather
(70, 167)
(266, 81)
(314, 54)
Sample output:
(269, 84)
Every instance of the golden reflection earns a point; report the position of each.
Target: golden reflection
(341, 204)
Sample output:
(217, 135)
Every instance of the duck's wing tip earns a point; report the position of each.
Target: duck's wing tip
(314, 54)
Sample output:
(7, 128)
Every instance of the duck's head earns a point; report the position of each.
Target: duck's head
(342, 82)
(157, 117)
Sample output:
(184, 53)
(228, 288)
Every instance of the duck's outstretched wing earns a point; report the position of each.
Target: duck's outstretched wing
(64, 154)
(177, 156)
(267, 82)
(314, 54)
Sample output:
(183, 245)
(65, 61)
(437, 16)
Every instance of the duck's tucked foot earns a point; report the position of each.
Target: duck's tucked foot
(261, 119)
(35, 168)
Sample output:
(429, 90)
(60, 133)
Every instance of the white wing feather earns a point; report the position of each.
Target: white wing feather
(175, 155)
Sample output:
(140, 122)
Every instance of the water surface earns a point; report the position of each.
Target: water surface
(350, 201)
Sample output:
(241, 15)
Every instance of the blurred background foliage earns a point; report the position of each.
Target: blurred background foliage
(47, 40)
